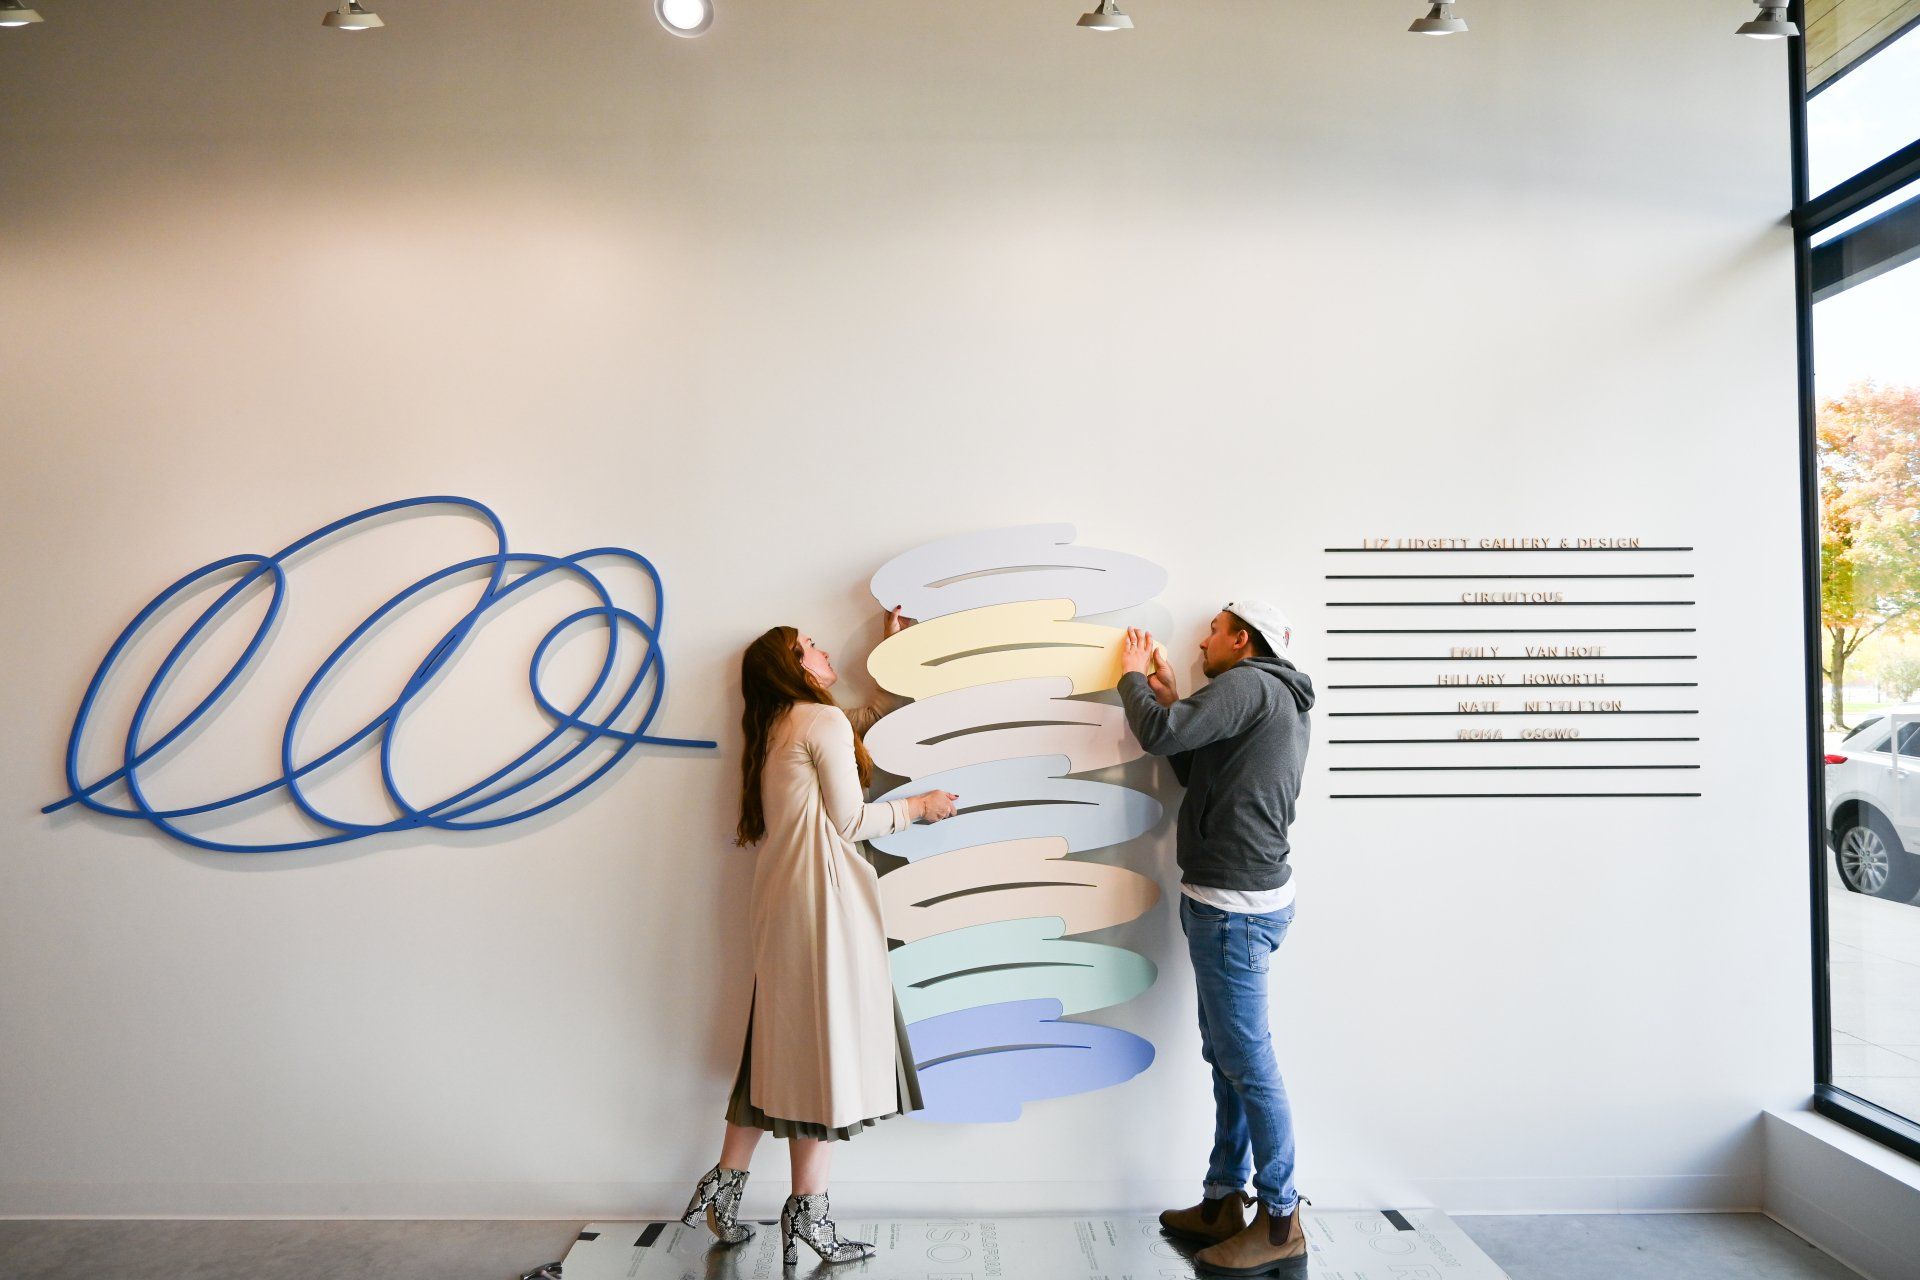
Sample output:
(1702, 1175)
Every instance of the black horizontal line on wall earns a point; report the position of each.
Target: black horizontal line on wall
(1498, 604)
(1497, 742)
(1505, 631)
(1457, 689)
(1421, 657)
(1658, 712)
(1514, 795)
(1484, 577)
(1483, 768)
(1488, 550)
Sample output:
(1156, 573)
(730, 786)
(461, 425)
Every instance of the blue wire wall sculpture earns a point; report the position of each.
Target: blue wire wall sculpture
(573, 730)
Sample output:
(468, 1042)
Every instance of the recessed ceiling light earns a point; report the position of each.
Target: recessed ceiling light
(1439, 22)
(1771, 24)
(1106, 16)
(351, 17)
(15, 14)
(684, 17)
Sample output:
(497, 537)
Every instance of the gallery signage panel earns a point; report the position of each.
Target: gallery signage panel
(1498, 667)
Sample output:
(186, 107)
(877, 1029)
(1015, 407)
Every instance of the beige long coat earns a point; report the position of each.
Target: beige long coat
(824, 1042)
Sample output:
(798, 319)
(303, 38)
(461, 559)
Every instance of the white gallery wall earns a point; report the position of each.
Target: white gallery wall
(770, 307)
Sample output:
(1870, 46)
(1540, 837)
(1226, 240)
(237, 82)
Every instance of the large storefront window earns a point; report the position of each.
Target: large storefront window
(1860, 239)
(1867, 384)
(1870, 110)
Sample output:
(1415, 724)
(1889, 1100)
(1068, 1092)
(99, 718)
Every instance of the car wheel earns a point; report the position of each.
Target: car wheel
(1870, 860)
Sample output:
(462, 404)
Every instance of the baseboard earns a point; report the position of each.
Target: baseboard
(490, 1201)
(1844, 1194)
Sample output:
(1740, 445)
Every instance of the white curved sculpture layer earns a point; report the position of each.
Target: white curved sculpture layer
(997, 721)
(1001, 566)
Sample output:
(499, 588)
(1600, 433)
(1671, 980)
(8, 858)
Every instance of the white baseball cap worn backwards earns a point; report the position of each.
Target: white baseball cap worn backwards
(1268, 621)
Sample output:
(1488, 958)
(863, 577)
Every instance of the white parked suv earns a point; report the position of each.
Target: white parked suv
(1873, 804)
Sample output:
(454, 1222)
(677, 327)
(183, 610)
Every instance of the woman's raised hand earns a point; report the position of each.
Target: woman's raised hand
(933, 806)
(928, 806)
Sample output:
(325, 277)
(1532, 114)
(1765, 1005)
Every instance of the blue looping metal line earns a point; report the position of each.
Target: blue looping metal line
(450, 813)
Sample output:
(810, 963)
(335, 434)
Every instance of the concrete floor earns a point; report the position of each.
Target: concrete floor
(1650, 1246)
(1720, 1246)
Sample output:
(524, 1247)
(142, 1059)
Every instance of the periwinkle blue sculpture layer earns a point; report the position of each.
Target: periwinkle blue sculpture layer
(451, 813)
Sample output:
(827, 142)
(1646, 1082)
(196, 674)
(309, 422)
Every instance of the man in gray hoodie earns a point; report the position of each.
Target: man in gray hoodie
(1238, 745)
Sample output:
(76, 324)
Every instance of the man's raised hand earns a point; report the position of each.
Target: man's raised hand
(1136, 652)
(1166, 688)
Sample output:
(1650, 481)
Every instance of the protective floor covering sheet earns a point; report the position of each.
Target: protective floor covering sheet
(1414, 1244)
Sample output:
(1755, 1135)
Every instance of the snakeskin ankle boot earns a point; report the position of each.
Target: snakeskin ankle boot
(718, 1198)
(805, 1218)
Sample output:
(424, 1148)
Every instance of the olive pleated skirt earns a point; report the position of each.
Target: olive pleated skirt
(741, 1111)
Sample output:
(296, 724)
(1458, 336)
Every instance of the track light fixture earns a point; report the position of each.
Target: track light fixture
(1106, 16)
(1439, 22)
(1771, 23)
(692, 18)
(351, 17)
(684, 17)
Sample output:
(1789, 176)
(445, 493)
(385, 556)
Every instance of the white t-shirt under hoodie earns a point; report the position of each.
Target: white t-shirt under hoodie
(1255, 902)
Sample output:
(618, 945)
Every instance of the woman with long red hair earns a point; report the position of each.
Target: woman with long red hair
(826, 1053)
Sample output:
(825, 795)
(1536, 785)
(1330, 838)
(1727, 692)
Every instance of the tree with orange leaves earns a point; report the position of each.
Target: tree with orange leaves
(1868, 440)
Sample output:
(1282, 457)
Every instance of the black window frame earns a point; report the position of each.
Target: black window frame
(1845, 260)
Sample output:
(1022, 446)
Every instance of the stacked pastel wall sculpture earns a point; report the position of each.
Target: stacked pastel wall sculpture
(989, 898)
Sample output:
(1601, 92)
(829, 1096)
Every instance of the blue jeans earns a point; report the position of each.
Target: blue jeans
(1230, 953)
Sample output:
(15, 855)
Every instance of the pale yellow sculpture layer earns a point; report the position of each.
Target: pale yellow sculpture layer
(1017, 641)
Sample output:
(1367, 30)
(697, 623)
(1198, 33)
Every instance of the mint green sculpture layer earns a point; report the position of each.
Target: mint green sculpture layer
(1014, 960)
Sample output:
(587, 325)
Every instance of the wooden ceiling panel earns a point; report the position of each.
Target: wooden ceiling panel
(1841, 32)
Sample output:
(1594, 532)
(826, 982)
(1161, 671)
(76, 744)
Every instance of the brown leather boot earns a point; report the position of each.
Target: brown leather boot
(1276, 1245)
(1210, 1220)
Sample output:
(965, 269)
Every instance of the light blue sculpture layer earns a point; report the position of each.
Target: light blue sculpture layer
(1019, 799)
